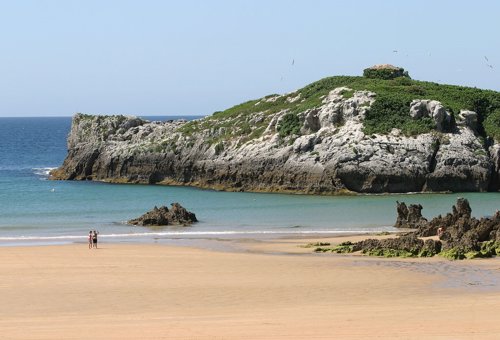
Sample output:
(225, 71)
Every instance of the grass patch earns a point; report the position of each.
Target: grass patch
(346, 94)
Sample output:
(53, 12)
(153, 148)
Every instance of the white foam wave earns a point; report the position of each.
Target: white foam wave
(186, 234)
(44, 172)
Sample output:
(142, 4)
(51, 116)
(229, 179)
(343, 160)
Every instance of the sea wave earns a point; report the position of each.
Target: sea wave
(43, 172)
(188, 234)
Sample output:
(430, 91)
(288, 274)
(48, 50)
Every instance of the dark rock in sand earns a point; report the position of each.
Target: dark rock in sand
(177, 215)
(430, 248)
(408, 245)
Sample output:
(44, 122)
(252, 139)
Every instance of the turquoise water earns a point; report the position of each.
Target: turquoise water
(36, 210)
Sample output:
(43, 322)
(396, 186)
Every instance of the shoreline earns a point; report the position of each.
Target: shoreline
(54, 176)
(148, 237)
(151, 291)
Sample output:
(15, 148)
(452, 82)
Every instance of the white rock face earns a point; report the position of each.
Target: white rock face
(420, 108)
(336, 108)
(468, 118)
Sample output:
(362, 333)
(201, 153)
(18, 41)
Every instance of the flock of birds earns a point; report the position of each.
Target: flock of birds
(488, 64)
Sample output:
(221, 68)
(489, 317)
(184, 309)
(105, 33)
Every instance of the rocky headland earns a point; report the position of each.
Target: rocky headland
(383, 132)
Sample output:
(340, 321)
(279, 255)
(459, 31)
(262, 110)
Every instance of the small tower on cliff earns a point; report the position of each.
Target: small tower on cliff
(385, 71)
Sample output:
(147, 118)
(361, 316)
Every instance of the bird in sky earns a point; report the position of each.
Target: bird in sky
(394, 51)
(293, 62)
(488, 62)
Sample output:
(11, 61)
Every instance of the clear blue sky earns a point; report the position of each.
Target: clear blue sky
(197, 57)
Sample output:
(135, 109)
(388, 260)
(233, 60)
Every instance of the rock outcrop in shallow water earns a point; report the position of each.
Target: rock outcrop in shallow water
(177, 215)
(278, 143)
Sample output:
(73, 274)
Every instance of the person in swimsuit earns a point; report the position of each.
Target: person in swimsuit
(90, 239)
(94, 238)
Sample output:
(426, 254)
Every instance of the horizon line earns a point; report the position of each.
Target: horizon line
(69, 116)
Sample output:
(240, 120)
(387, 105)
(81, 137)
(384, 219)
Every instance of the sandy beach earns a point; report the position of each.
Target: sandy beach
(267, 290)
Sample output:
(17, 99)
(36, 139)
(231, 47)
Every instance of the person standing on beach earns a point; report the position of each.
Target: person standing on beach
(90, 239)
(94, 238)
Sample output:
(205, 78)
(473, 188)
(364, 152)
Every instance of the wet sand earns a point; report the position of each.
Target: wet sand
(265, 290)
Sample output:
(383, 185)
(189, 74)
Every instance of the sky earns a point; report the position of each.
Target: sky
(196, 57)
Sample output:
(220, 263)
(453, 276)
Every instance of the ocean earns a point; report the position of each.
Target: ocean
(35, 210)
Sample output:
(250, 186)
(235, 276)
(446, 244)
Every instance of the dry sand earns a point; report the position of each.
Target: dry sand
(165, 292)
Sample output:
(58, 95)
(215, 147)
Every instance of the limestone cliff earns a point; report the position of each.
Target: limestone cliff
(289, 143)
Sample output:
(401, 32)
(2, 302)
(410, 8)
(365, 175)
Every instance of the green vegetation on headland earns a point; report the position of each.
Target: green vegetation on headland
(390, 110)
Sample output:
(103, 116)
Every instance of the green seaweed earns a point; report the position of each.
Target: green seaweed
(343, 248)
(316, 244)
(452, 254)
(426, 252)
(490, 248)
(321, 250)
(387, 252)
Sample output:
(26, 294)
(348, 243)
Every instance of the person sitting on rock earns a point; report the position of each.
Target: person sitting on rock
(440, 231)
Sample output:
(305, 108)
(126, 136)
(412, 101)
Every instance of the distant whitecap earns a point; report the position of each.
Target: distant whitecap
(42, 172)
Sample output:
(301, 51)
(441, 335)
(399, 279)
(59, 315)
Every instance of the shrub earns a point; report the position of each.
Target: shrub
(388, 112)
(289, 125)
(219, 148)
(492, 125)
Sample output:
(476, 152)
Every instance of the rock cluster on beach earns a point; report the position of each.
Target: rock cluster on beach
(318, 148)
(177, 215)
(404, 246)
(460, 235)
